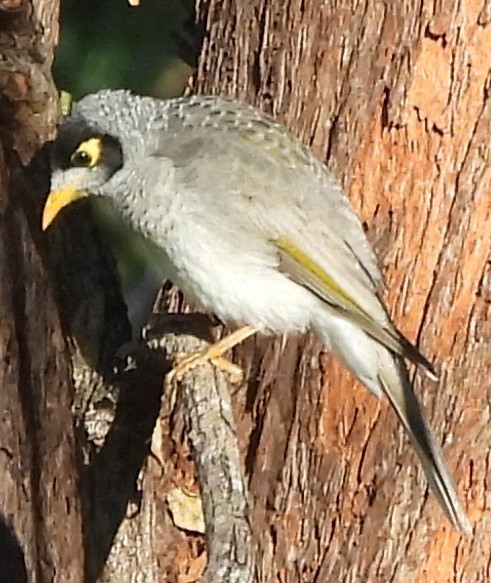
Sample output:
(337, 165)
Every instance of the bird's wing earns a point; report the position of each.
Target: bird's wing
(268, 186)
(302, 269)
(248, 155)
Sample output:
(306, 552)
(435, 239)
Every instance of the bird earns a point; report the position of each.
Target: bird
(254, 229)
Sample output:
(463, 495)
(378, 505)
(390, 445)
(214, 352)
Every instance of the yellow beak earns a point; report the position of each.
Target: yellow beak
(57, 200)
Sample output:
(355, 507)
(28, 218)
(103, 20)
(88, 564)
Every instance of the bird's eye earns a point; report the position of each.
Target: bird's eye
(88, 154)
(80, 159)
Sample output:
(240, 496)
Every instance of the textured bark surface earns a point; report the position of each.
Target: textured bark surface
(40, 509)
(199, 409)
(395, 97)
(57, 523)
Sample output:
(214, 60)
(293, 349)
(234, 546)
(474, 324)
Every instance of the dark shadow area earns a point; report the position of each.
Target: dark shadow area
(12, 563)
(110, 479)
(85, 278)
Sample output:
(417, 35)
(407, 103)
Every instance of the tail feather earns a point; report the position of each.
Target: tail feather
(396, 385)
(384, 372)
(410, 352)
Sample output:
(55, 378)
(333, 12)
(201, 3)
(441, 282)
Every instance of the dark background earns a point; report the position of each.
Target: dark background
(110, 44)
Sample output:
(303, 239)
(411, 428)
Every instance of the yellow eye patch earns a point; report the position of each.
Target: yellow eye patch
(88, 154)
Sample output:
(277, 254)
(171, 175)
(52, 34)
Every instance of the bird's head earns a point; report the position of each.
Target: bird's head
(83, 159)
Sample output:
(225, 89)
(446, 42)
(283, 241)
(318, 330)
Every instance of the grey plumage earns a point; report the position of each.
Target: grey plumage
(250, 225)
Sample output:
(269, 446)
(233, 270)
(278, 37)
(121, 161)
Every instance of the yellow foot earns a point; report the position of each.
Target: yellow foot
(213, 354)
(185, 363)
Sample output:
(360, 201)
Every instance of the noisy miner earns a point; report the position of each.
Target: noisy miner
(250, 226)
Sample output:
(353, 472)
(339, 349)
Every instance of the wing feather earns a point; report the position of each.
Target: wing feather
(309, 274)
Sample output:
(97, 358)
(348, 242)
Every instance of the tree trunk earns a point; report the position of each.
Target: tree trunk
(49, 500)
(395, 98)
(38, 462)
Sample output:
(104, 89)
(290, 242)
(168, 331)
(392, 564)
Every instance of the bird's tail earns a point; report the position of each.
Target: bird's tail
(382, 372)
(395, 383)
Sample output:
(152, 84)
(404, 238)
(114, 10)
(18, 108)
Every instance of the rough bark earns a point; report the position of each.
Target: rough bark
(40, 509)
(394, 96)
(58, 335)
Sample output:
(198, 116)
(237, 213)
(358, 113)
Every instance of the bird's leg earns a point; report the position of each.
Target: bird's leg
(213, 354)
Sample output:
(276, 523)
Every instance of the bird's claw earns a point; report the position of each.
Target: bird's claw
(185, 363)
